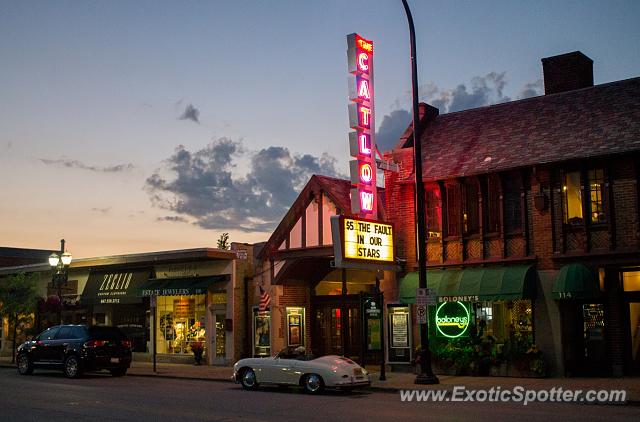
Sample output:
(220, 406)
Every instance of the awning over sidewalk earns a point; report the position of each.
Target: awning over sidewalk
(476, 284)
(183, 286)
(114, 287)
(575, 282)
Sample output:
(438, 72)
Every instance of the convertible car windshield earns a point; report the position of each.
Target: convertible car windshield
(298, 353)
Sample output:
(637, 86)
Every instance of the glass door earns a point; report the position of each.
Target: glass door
(220, 339)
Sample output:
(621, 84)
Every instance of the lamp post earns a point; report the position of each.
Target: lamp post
(59, 265)
(426, 375)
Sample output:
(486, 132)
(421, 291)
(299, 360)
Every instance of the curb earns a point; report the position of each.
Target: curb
(179, 377)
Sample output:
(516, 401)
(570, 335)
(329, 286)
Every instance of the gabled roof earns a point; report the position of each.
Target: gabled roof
(338, 191)
(596, 121)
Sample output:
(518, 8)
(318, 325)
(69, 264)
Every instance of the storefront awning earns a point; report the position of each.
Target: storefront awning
(575, 281)
(114, 287)
(475, 284)
(183, 286)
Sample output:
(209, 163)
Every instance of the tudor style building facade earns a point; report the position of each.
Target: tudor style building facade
(533, 207)
(312, 303)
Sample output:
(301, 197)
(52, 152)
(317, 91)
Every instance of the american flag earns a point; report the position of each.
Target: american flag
(265, 299)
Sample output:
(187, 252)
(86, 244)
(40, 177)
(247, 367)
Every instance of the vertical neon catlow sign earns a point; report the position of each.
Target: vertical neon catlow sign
(361, 119)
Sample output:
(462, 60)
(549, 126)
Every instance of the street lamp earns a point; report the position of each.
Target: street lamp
(59, 265)
(426, 375)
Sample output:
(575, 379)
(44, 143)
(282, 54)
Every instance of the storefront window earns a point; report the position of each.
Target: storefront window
(501, 319)
(180, 321)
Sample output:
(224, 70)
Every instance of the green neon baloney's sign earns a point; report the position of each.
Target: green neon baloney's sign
(452, 319)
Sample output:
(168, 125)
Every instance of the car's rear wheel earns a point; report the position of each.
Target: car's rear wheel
(313, 384)
(248, 379)
(25, 367)
(72, 368)
(118, 372)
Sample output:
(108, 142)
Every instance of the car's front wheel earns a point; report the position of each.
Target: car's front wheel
(72, 367)
(313, 384)
(248, 379)
(25, 367)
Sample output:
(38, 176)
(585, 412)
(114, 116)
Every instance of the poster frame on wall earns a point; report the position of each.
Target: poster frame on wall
(295, 326)
(399, 342)
(261, 340)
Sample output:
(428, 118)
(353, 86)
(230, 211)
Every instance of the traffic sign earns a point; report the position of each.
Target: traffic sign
(421, 314)
(421, 296)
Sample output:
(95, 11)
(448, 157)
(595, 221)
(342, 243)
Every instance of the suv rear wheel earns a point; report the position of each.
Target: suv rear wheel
(25, 367)
(72, 367)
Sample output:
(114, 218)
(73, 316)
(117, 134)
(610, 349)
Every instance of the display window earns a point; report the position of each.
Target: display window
(503, 319)
(181, 323)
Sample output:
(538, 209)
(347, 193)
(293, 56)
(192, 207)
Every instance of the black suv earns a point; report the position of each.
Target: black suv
(76, 349)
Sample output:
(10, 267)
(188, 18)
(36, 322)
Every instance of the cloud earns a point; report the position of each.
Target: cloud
(481, 91)
(190, 113)
(201, 185)
(391, 128)
(532, 89)
(75, 164)
(173, 218)
(102, 210)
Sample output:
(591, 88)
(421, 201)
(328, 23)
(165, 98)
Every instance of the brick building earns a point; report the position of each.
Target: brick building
(199, 294)
(533, 218)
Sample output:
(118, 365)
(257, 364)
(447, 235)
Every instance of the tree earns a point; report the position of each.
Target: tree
(18, 299)
(223, 241)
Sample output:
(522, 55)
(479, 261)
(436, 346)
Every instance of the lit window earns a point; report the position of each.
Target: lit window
(434, 212)
(596, 190)
(572, 197)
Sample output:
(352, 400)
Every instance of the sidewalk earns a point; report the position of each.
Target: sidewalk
(399, 381)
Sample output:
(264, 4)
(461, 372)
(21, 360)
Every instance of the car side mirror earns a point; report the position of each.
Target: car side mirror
(34, 338)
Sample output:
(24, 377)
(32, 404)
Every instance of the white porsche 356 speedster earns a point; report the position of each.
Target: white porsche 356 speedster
(293, 367)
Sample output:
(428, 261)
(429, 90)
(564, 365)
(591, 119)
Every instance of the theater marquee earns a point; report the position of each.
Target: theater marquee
(358, 241)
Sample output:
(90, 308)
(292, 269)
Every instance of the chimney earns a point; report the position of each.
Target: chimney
(567, 72)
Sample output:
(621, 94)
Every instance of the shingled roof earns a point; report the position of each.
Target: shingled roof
(589, 122)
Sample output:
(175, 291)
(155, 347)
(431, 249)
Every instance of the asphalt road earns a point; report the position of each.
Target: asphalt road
(48, 396)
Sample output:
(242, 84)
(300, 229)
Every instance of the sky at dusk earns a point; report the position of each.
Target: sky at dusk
(139, 126)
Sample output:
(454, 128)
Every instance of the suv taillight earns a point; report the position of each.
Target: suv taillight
(126, 344)
(96, 343)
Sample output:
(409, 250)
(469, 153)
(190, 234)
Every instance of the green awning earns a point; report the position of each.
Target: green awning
(183, 286)
(505, 283)
(577, 282)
